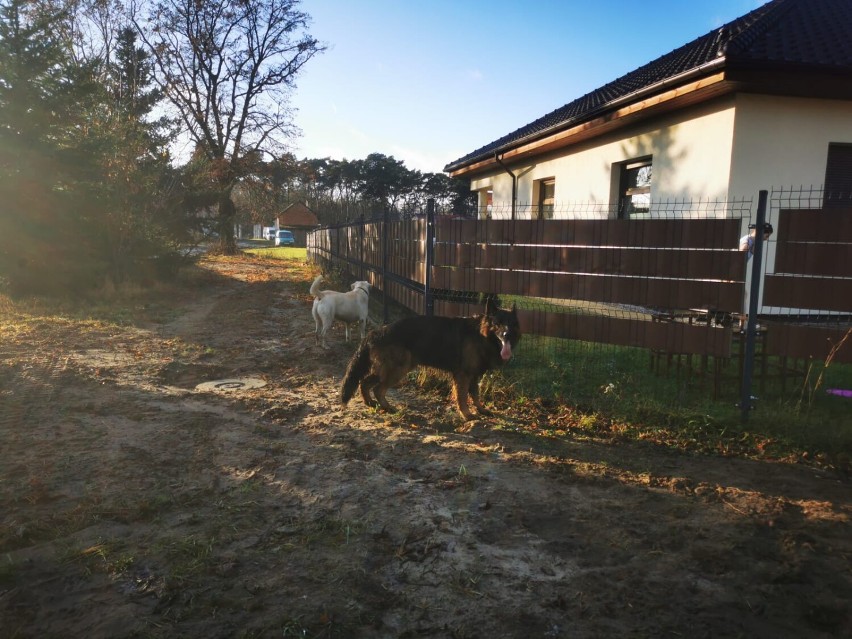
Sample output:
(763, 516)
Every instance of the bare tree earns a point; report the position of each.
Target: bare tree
(227, 68)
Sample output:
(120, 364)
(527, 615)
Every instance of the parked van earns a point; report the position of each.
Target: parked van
(284, 238)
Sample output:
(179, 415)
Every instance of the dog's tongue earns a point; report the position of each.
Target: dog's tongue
(506, 351)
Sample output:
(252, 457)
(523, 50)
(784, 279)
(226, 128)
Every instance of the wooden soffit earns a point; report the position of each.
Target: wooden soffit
(700, 90)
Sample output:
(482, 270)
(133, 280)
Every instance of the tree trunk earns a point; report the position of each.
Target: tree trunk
(227, 215)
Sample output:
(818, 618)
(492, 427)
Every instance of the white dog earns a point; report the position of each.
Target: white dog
(349, 307)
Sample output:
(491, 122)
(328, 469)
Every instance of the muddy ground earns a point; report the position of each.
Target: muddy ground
(135, 505)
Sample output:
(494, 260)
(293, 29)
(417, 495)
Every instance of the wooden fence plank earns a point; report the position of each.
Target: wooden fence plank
(829, 260)
(806, 342)
(676, 233)
(654, 293)
(642, 262)
(456, 254)
(815, 225)
(808, 293)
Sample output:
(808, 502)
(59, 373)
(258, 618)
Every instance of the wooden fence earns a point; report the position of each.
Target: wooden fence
(812, 271)
(659, 265)
(654, 284)
(392, 260)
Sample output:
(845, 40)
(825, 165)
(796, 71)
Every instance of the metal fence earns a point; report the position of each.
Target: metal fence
(680, 208)
(663, 292)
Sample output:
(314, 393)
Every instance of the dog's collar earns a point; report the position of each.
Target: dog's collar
(360, 288)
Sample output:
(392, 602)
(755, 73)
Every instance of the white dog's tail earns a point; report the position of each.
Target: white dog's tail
(315, 286)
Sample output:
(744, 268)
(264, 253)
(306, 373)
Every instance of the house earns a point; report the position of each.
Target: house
(300, 219)
(764, 101)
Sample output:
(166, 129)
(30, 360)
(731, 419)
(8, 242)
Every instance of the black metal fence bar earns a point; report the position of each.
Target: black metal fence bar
(430, 258)
(754, 297)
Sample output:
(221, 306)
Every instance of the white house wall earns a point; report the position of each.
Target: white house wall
(729, 149)
(691, 154)
(783, 142)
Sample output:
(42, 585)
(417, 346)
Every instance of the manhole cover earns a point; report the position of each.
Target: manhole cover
(235, 384)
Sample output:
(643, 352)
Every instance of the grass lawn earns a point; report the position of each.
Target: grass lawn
(278, 252)
(614, 389)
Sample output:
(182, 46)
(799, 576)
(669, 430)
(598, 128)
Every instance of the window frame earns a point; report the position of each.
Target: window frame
(544, 192)
(485, 202)
(628, 189)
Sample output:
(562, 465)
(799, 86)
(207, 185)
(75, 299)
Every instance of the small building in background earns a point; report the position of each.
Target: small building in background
(299, 219)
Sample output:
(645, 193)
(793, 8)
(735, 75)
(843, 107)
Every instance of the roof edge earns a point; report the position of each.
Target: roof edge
(704, 69)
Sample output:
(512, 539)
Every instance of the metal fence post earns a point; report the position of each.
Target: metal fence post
(753, 299)
(429, 300)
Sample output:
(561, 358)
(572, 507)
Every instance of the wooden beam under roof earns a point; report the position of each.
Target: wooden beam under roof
(695, 92)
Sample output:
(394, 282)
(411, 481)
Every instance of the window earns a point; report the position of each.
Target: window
(635, 189)
(543, 192)
(486, 203)
(838, 175)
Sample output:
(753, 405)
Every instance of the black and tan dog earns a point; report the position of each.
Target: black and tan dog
(465, 347)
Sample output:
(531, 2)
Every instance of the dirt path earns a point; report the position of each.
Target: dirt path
(134, 505)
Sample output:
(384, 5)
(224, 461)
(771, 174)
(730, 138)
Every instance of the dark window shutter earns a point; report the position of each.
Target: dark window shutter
(838, 175)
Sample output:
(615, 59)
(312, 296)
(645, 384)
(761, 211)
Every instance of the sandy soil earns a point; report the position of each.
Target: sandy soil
(135, 505)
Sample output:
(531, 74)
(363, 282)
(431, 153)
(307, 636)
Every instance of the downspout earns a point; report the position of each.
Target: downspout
(514, 182)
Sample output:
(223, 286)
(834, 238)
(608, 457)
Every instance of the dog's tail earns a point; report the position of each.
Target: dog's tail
(358, 368)
(315, 286)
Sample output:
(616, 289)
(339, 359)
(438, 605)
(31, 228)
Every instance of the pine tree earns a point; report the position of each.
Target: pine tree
(41, 90)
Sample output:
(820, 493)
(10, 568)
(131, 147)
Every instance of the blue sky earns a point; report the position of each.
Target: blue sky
(428, 81)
